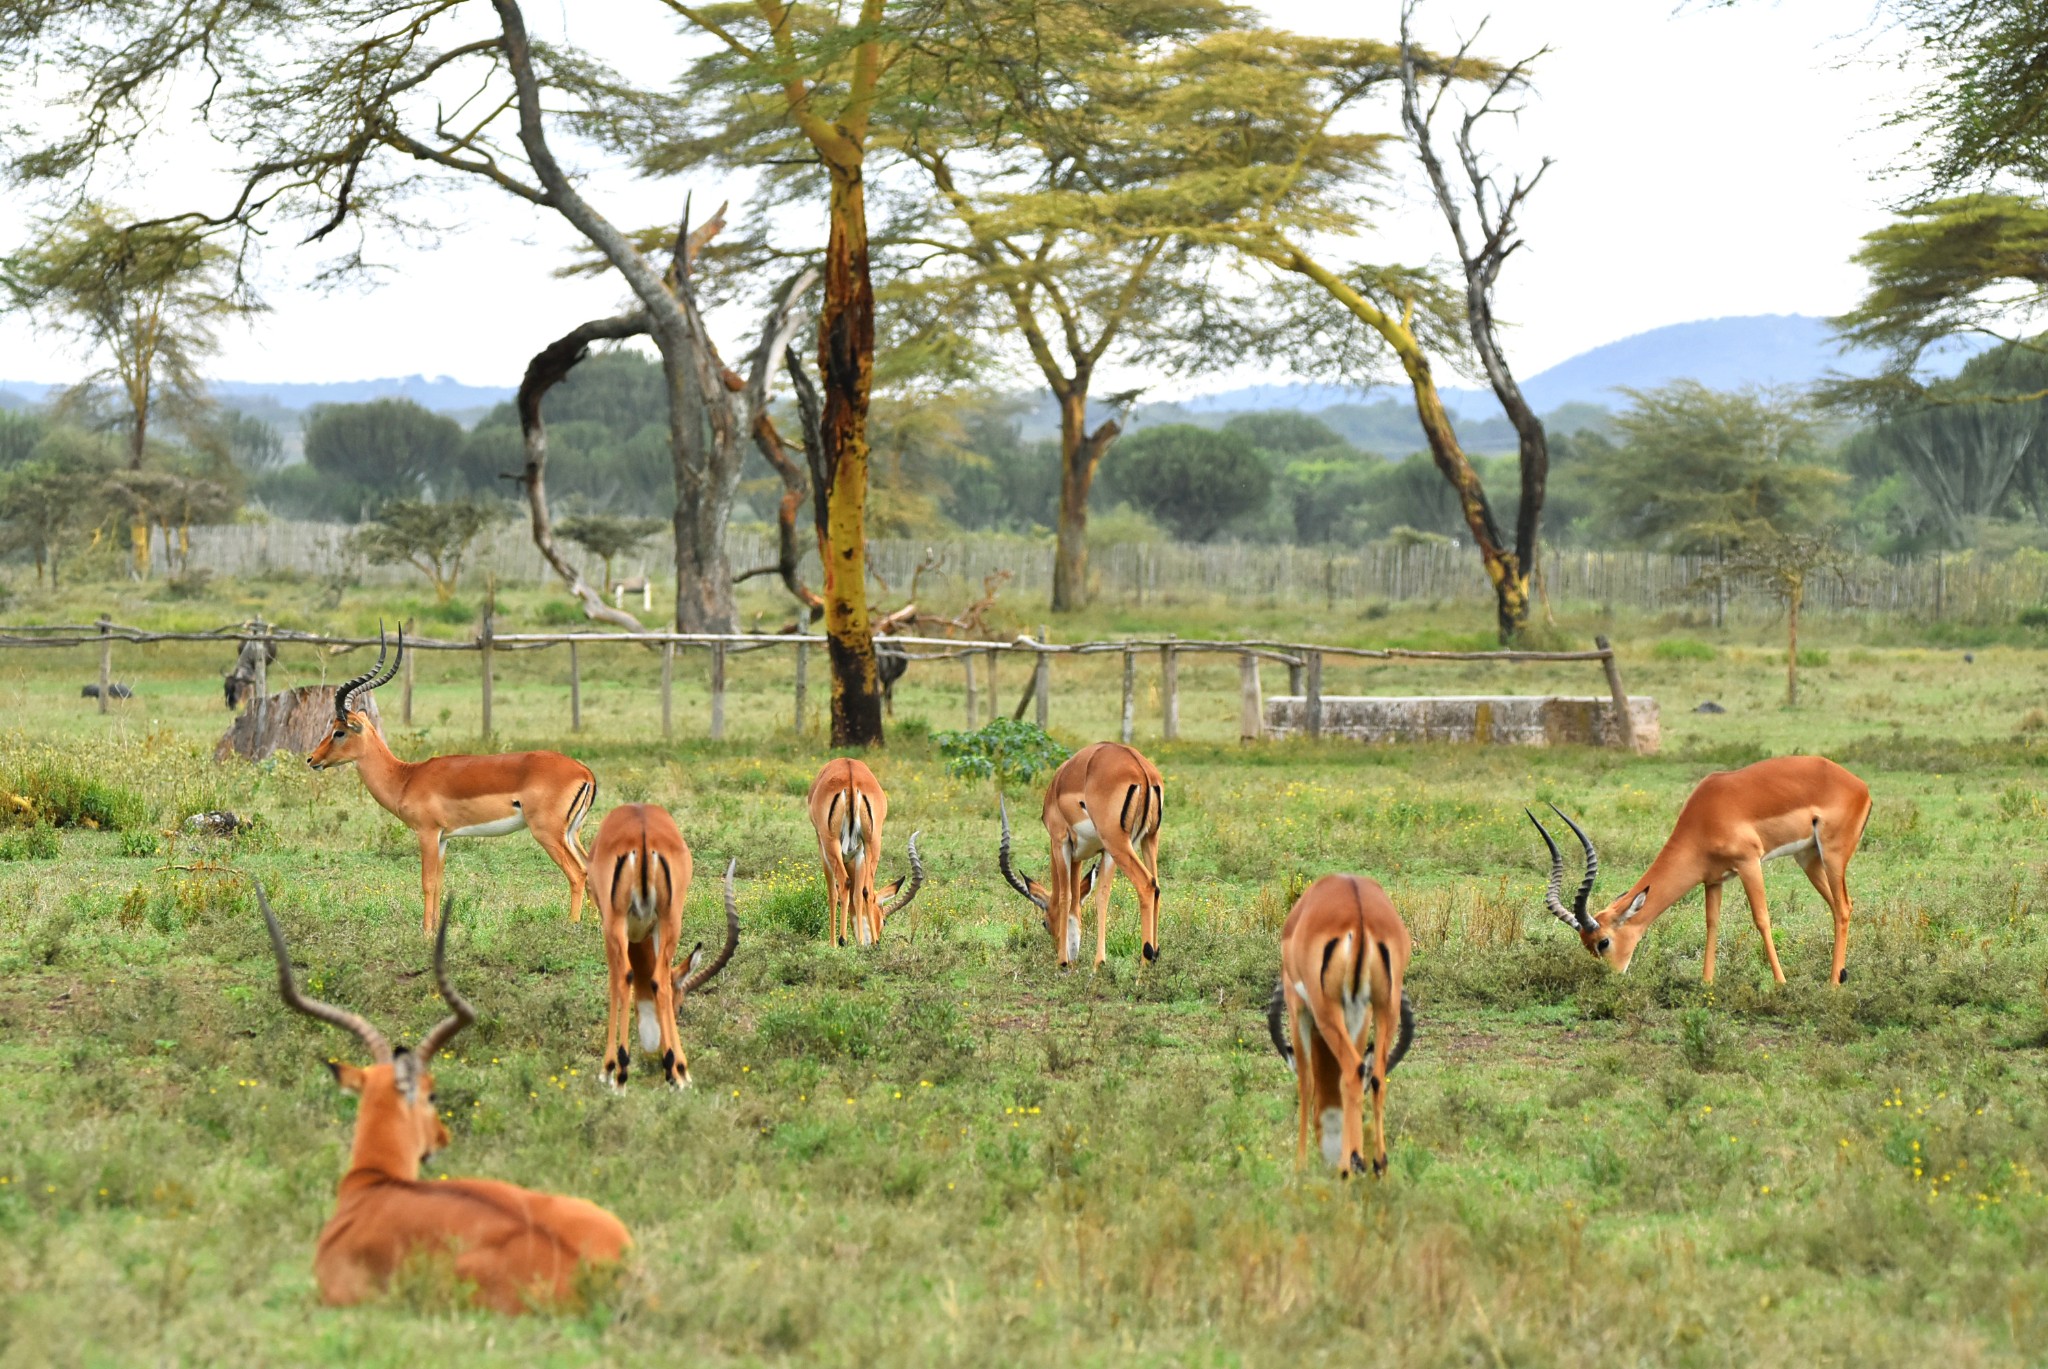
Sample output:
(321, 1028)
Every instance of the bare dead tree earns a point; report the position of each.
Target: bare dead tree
(784, 321)
(1495, 237)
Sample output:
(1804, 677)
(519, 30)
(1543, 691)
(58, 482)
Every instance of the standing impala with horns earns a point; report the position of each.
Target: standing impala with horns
(640, 870)
(847, 808)
(1805, 807)
(519, 1248)
(1105, 801)
(544, 792)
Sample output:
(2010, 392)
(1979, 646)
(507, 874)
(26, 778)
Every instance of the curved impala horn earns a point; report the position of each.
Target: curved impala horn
(1551, 892)
(372, 1039)
(1592, 869)
(902, 900)
(346, 691)
(1003, 858)
(732, 938)
(444, 1030)
(390, 673)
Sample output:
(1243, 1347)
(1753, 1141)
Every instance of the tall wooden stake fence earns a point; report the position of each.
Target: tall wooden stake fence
(1304, 664)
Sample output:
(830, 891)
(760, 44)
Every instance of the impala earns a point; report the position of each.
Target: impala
(518, 1247)
(1805, 807)
(640, 868)
(1343, 953)
(1104, 801)
(462, 796)
(847, 809)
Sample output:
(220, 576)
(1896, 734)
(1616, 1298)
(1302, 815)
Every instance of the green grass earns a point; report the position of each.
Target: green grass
(943, 1151)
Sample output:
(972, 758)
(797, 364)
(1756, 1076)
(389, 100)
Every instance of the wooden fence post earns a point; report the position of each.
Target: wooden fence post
(967, 660)
(1297, 674)
(1169, 692)
(1312, 704)
(484, 644)
(718, 691)
(1041, 683)
(106, 661)
(668, 675)
(995, 708)
(1130, 693)
(262, 709)
(1624, 722)
(405, 701)
(803, 670)
(1251, 722)
(575, 690)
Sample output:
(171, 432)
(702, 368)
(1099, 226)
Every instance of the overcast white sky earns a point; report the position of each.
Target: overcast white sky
(1710, 162)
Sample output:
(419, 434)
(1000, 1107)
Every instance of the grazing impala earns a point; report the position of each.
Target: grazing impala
(848, 808)
(640, 870)
(1805, 807)
(519, 1248)
(462, 796)
(1105, 801)
(1343, 953)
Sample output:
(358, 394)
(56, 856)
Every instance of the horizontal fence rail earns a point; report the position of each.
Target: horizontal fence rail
(1304, 663)
(1965, 587)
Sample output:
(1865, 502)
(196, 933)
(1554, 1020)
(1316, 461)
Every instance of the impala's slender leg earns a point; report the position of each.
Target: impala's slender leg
(561, 850)
(1752, 874)
(1713, 897)
(835, 886)
(1349, 1069)
(1304, 1073)
(1150, 911)
(618, 960)
(1116, 843)
(1104, 877)
(668, 936)
(1386, 1014)
(1835, 893)
(1066, 904)
(433, 850)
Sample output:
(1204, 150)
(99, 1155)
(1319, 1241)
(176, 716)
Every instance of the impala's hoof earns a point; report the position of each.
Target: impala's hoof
(1379, 1167)
(1843, 977)
(1151, 951)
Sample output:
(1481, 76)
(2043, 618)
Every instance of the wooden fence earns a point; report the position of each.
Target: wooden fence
(1961, 587)
(1304, 663)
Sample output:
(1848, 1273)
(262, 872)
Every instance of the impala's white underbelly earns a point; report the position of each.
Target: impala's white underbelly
(515, 823)
(1084, 841)
(1791, 848)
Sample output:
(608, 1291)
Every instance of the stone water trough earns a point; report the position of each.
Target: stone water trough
(1498, 719)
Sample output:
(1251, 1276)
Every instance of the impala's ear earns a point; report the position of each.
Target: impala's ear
(690, 965)
(348, 1076)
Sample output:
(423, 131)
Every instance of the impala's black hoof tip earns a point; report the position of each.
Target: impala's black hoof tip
(1379, 1167)
(1357, 1164)
(1843, 977)
(1151, 951)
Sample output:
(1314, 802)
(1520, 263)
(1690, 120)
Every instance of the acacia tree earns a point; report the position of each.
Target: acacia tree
(148, 297)
(811, 85)
(1271, 166)
(1482, 253)
(1027, 108)
(331, 111)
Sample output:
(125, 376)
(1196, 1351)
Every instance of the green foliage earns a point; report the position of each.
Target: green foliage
(800, 909)
(608, 440)
(2037, 616)
(1700, 469)
(383, 450)
(1284, 431)
(38, 842)
(1008, 750)
(1682, 649)
(608, 536)
(431, 538)
(1195, 480)
(47, 790)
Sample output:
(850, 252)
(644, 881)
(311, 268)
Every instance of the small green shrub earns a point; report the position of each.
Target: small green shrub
(800, 909)
(1812, 656)
(560, 613)
(1007, 749)
(1703, 1041)
(49, 791)
(2036, 616)
(837, 1026)
(1682, 649)
(139, 841)
(30, 843)
(2017, 801)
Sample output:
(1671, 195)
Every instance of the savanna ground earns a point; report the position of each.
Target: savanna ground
(942, 1150)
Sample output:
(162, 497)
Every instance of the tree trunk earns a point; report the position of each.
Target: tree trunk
(846, 352)
(1794, 595)
(1081, 454)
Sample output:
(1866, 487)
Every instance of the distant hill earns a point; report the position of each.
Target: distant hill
(1720, 353)
(257, 396)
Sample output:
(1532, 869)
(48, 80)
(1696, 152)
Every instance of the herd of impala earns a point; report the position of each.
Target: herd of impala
(1338, 1015)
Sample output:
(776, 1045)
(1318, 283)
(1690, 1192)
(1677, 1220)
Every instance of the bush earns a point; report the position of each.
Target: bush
(1682, 649)
(51, 793)
(2036, 616)
(800, 909)
(33, 843)
(1007, 749)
